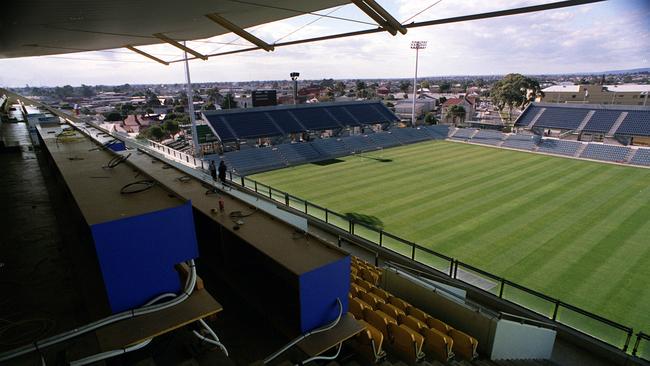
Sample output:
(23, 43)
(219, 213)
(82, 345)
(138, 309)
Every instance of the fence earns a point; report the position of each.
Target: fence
(593, 325)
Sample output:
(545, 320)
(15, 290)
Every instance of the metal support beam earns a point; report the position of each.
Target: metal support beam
(172, 42)
(239, 31)
(386, 15)
(147, 55)
(376, 17)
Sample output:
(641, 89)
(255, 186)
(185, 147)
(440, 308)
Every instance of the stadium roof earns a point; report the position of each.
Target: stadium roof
(239, 124)
(36, 27)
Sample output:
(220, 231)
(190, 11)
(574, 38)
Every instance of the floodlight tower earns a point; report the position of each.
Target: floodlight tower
(417, 46)
(294, 76)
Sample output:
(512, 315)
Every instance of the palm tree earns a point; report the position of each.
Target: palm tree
(456, 111)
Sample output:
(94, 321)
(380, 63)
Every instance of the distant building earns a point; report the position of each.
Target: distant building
(467, 103)
(625, 94)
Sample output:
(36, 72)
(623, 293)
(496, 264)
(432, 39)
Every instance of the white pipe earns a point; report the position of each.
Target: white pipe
(110, 354)
(190, 283)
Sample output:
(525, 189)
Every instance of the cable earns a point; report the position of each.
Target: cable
(328, 358)
(190, 283)
(215, 341)
(300, 338)
(145, 185)
(116, 160)
(308, 24)
(109, 354)
(422, 11)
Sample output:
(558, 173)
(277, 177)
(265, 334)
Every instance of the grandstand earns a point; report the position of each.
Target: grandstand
(235, 125)
(608, 120)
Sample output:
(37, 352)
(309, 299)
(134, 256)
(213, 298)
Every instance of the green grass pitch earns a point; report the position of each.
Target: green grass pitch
(575, 230)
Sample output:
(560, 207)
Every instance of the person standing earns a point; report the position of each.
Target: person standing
(213, 170)
(222, 172)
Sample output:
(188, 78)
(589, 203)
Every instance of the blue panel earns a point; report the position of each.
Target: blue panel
(117, 146)
(318, 292)
(137, 254)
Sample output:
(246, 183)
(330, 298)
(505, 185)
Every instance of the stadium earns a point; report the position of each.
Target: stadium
(335, 233)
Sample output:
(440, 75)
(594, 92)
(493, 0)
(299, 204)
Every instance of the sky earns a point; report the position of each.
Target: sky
(610, 35)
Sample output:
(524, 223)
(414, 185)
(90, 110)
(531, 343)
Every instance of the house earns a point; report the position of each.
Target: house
(467, 103)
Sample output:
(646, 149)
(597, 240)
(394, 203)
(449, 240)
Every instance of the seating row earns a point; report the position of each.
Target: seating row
(408, 332)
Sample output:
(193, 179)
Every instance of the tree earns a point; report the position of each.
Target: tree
(179, 109)
(214, 96)
(87, 91)
(113, 116)
(456, 111)
(171, 126)
(424, 84)
(156, 132)
(209, 107)
(151, 99)
(339, 87)
(404, 86)
(515, 90)
(430, 119)
(229, 102)
(445, 86)
(441, 100)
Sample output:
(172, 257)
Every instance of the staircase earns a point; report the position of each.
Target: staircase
(580, 150)
(630, 155)
(539, 114)
(617, 124)
(585, 121)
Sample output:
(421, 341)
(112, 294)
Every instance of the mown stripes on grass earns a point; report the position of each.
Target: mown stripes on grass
(575, 230)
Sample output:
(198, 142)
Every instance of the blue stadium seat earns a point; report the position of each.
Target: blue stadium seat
(561, 118)
(367, 113)
(315, 119)
(286, 121)
(641, 157)
(332, 147)
(222, 128)
(384, 139)
(343, 116)
(298, 153)
(521, 142)
(488, 137)
(560, 147)
(602, 121)
(254, 160)
(635, 123)
(410, 135)
(528, 115)
(360, 143)
(463, 133)
(605, 152)
(250, 125)
(438, 132)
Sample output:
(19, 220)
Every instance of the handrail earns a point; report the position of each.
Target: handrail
(524, 320)
(639, 337)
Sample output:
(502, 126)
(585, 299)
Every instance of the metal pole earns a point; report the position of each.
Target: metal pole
(190, 106)
(415, 87)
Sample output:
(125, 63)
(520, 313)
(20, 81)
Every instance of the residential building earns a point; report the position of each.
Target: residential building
(624, 94)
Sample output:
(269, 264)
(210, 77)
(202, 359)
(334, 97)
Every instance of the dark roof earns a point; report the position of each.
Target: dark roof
(234, 124)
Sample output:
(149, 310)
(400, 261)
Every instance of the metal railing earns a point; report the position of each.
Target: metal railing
(590, 324)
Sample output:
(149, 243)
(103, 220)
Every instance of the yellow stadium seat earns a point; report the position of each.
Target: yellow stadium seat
(379, 320)
(399, 303)
(371, 299)
(437, 346)
(365, 284)
(370, 343)
(381, 293)
(464, 345)
(370, 276)
(438, 325)
(413, 323)
(356, 288)
(407, 343)
(357, 306)
(391, 310)
(418, 314)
